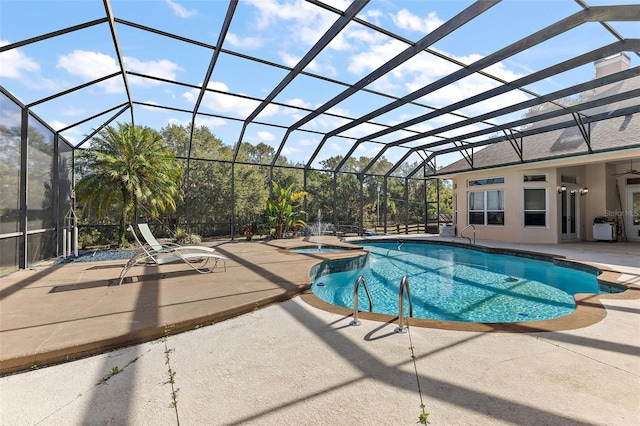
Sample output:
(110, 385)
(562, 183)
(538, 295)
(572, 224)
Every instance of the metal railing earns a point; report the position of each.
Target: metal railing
(474, 233)
(360, 279)
(404, 285)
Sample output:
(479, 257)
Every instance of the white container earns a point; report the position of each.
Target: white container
(604, 232)
(447, 230)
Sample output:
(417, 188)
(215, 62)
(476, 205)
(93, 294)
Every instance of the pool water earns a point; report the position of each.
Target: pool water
(457, 284)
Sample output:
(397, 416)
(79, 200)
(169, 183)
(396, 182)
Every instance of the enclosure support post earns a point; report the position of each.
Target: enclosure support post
(425, 205)
(24, 164)
(361, 224)
(438, 181)
(406, 205)
(304, 187)
(384, 187)
(233, 200)
(335, 200)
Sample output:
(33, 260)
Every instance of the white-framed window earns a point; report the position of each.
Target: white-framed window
(486, 207)
(535, 178)
(535, 207)
(485, 181)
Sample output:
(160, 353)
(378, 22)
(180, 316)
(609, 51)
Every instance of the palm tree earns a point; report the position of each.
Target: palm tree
(124, 168)
(280, 212)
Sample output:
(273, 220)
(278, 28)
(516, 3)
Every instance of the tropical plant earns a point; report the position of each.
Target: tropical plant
(183, 237)
(281, 212)
(127, 166)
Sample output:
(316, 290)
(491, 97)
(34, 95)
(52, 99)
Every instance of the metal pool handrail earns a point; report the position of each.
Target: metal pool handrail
(360, 279)
(404, 284)
(474, 233)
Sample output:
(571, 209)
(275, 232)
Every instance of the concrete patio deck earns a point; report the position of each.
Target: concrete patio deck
(291, 363)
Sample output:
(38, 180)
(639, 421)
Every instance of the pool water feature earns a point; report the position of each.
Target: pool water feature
(318, 230)
(457, 284)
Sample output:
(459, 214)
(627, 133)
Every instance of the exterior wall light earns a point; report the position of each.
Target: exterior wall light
(562, 189)
(584, 191)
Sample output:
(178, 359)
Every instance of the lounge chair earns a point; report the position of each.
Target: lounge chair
(196, 259)
(155, 245)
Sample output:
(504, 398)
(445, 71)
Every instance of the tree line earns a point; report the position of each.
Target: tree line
(186, 181)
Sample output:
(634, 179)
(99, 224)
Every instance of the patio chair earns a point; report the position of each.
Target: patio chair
(196, 260)
(155, 245)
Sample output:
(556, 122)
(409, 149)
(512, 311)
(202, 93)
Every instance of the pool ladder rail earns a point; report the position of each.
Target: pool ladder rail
(356, 287)
(474, 233)
(404, 285)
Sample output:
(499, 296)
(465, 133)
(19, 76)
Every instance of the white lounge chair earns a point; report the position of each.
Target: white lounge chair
(155, 245)
(196, 260)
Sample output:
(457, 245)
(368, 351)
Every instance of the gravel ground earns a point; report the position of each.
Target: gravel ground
(96, 256)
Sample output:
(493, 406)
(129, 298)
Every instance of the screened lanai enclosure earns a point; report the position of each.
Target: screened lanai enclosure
(359, 103)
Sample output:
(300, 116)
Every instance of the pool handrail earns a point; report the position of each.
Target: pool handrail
(360, 279)
(474, 233)
(404, 285)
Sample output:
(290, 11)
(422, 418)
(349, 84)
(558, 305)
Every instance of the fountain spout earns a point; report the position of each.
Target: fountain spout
(318, 229)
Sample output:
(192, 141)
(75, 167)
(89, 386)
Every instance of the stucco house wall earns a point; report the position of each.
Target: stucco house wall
(603, 157)
(601, 199)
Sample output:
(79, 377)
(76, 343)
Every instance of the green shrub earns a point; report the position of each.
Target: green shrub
(185, 238)
(88, 237)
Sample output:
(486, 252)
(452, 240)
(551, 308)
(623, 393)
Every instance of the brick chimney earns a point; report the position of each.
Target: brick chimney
(610, 65)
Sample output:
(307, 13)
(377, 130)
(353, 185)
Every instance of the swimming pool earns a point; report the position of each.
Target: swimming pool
(458, 284)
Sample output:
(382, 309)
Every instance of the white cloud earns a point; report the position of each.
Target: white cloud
(74, 135)
(150, 108)
(340, 42)
(377, 55)
(244, 42)
(57, 124)
(226, 104)
(91, 66)
(15, 63)
(180, 10)
(163, 69)
(266, 136)
(373, 16)
(326, 69)
(473, 85)
(308, 142)
(369, 149)
(365, 35)
(88, 65)
(288, 150)
(424, 68)
(338, 4)
(73, 112)
(210, 121)
(271, 10)
(289, 59)
(408, 21)
(305, 22)
(297, 102)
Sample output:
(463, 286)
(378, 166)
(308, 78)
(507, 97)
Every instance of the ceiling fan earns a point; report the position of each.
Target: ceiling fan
(631, 171)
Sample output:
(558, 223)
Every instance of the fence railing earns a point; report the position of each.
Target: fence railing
(106, 234)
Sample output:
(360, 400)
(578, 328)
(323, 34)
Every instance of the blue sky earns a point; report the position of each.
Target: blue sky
(280, 31)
